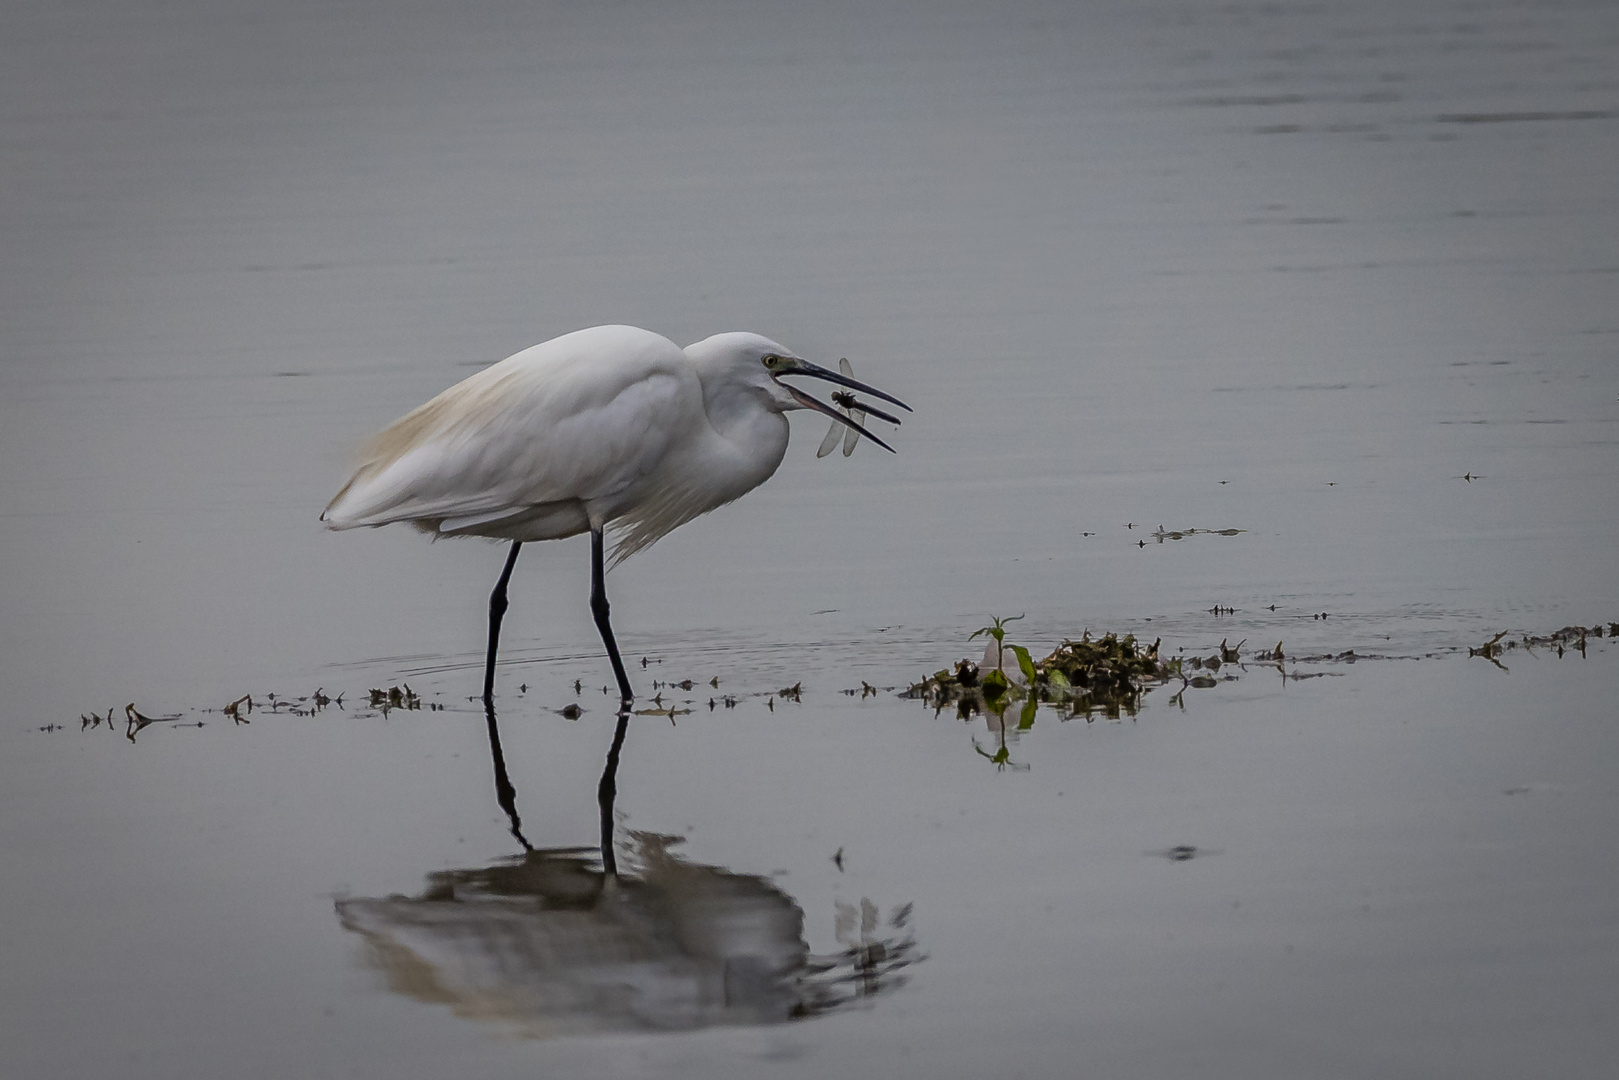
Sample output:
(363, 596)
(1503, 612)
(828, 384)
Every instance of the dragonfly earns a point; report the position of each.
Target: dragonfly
(855, 410)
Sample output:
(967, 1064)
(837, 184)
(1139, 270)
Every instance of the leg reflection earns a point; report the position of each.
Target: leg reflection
(505, 794)
(607, 791)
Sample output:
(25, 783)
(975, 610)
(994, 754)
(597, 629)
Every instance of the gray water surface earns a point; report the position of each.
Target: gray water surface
(1341, 276)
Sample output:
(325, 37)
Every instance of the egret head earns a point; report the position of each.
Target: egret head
(759, 364)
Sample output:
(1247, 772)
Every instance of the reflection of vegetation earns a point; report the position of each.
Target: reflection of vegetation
(996, 719)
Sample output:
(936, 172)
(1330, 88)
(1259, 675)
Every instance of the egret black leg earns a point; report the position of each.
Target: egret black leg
(599, 608)
(497, 610)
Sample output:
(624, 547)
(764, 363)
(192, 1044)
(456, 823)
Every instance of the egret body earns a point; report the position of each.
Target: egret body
(610, 427)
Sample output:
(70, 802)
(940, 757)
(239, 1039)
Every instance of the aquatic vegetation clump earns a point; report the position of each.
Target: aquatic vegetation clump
(1109, 666)
(1107, 674)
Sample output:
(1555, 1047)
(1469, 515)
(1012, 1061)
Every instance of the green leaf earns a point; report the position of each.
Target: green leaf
(995, 684)
(1026, 721)
(998, 631)
(1025, 662)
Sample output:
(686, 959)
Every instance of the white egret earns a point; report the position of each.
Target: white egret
(607, 427)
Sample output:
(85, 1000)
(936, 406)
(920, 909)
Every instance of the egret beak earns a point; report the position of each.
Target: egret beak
(792, 365)
(842, 418)
(866, 407)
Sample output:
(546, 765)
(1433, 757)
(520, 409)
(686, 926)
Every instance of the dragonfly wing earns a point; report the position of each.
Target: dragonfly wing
(831, 439)
(851, 436)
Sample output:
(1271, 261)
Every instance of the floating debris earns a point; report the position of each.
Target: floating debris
(1490, 649)
(1181, 534)
(866, 690)
(1569, 637)
(139, 722)
(671, 712)
(395, 697)
(1184, 852)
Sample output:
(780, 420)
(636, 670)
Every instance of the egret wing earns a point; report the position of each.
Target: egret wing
(576, 419)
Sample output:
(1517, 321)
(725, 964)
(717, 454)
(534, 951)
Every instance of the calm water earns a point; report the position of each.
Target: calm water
(1342, 277)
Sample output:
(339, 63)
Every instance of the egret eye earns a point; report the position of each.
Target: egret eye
(772, 360)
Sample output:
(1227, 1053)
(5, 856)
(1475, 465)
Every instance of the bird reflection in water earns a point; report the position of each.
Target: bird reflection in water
(564, 941)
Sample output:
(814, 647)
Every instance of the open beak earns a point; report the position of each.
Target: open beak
(795, 366)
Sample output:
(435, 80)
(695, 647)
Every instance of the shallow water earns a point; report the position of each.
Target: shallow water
(1338, 276)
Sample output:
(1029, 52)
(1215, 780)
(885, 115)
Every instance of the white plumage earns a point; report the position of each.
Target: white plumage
(610, 427)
